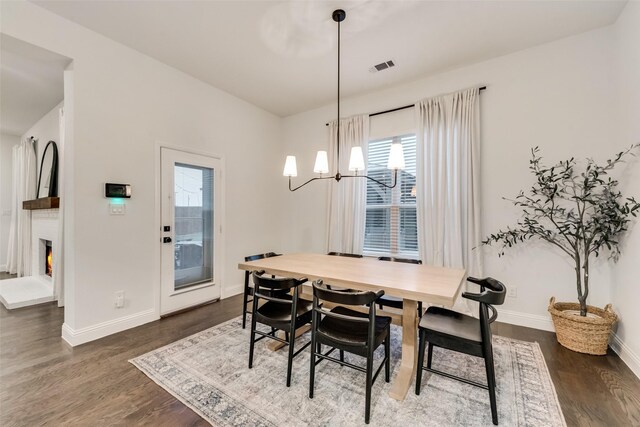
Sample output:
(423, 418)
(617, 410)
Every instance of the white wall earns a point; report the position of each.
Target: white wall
(558, 96)
(123, 103)
(7, 142)
(44, 130)
(626, 291)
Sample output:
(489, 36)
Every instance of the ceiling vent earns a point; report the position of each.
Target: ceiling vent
(382, 66)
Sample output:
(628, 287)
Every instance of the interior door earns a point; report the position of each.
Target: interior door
(190, 267)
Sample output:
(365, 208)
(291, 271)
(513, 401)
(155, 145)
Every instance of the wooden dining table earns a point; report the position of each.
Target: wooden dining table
(411, 282)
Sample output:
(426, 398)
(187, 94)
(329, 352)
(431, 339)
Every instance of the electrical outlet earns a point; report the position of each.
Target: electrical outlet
(512, 292)
(119, 299)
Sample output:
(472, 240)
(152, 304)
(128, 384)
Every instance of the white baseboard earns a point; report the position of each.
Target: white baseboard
(90, 333)
(629, 357)
(534, 321)
(545, 323)
(231, 290)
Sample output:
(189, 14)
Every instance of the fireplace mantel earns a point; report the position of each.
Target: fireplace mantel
(42, 203)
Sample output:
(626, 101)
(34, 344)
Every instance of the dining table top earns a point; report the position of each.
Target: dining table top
(418, 282)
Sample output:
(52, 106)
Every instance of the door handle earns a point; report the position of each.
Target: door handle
(166, 240)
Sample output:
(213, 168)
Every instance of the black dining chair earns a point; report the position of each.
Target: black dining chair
(345, 254)
(465, 334)
(280, 311)
(394, 302)
(248, 290)
(351, 331)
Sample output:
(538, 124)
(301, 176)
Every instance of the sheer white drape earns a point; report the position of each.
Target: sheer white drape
(58, 264)
(346, 205)
(23, 188)
(448, 181)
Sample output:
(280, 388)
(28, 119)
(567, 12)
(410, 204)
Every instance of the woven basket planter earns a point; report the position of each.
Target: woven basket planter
(582, 334)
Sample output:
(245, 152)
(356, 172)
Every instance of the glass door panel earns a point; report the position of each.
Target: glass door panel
(193, 199)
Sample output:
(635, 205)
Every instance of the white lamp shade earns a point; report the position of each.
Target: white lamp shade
(290, 167)
(322, 163)
(356, 161)
(396, 157)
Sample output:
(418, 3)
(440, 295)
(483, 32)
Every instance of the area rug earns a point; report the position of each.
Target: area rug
(208, 372)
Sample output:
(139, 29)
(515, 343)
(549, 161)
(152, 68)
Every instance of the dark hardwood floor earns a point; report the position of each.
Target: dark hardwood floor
(44, 381)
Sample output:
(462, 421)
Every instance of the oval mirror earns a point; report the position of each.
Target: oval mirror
(48, 178)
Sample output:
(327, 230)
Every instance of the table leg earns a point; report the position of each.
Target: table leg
(407, 370)
(274, 345)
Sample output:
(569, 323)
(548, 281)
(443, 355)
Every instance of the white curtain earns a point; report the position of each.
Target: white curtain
(347, 198)
(58, 262)
(448, 184)
(23, 188)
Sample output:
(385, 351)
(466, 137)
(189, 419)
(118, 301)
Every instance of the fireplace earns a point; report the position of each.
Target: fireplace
(48, 255)
(45, 247)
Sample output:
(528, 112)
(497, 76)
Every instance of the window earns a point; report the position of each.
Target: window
(391, 221)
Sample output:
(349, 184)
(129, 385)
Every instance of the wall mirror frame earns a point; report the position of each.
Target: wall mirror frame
(48, 167)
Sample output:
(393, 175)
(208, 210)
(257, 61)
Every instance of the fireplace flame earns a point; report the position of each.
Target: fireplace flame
(49, 267)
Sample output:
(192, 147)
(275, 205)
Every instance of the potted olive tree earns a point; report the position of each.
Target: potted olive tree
(582, 213)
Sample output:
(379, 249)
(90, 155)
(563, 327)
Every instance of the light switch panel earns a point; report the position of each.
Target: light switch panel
(116, 209)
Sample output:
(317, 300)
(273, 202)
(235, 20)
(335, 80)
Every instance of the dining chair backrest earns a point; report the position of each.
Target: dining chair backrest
(345, 254)
(492, 292)
(395, 259)
(322, 292)
(260, 256)
(274, 284)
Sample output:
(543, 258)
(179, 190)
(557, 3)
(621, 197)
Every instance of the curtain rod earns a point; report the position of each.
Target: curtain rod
(400, 108)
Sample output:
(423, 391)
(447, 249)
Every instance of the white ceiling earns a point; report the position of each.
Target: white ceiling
(31, 84)
(281, 56)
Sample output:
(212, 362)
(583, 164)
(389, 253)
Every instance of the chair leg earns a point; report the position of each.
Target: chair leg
(387, 354)
(252, 342)
(244, 311)
(245, 299)
(491, 382)
(312, 370)
(291, 339)
(429, 355)
(419, 309)
(367, 408)
(420, 361)
(341, 357)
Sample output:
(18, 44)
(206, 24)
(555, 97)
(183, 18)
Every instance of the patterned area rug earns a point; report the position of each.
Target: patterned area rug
(208, 372)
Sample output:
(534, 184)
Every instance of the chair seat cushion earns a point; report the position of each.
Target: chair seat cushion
(281, 312)
(352, 333)
(447, 322)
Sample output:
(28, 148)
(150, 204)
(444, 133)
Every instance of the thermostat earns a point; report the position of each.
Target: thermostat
(117, 190)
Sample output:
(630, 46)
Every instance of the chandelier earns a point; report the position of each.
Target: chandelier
(356, 161)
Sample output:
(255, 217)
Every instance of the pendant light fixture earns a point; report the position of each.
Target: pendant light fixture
(356, 161)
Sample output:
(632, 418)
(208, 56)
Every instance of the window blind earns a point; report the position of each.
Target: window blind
(391, 220)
